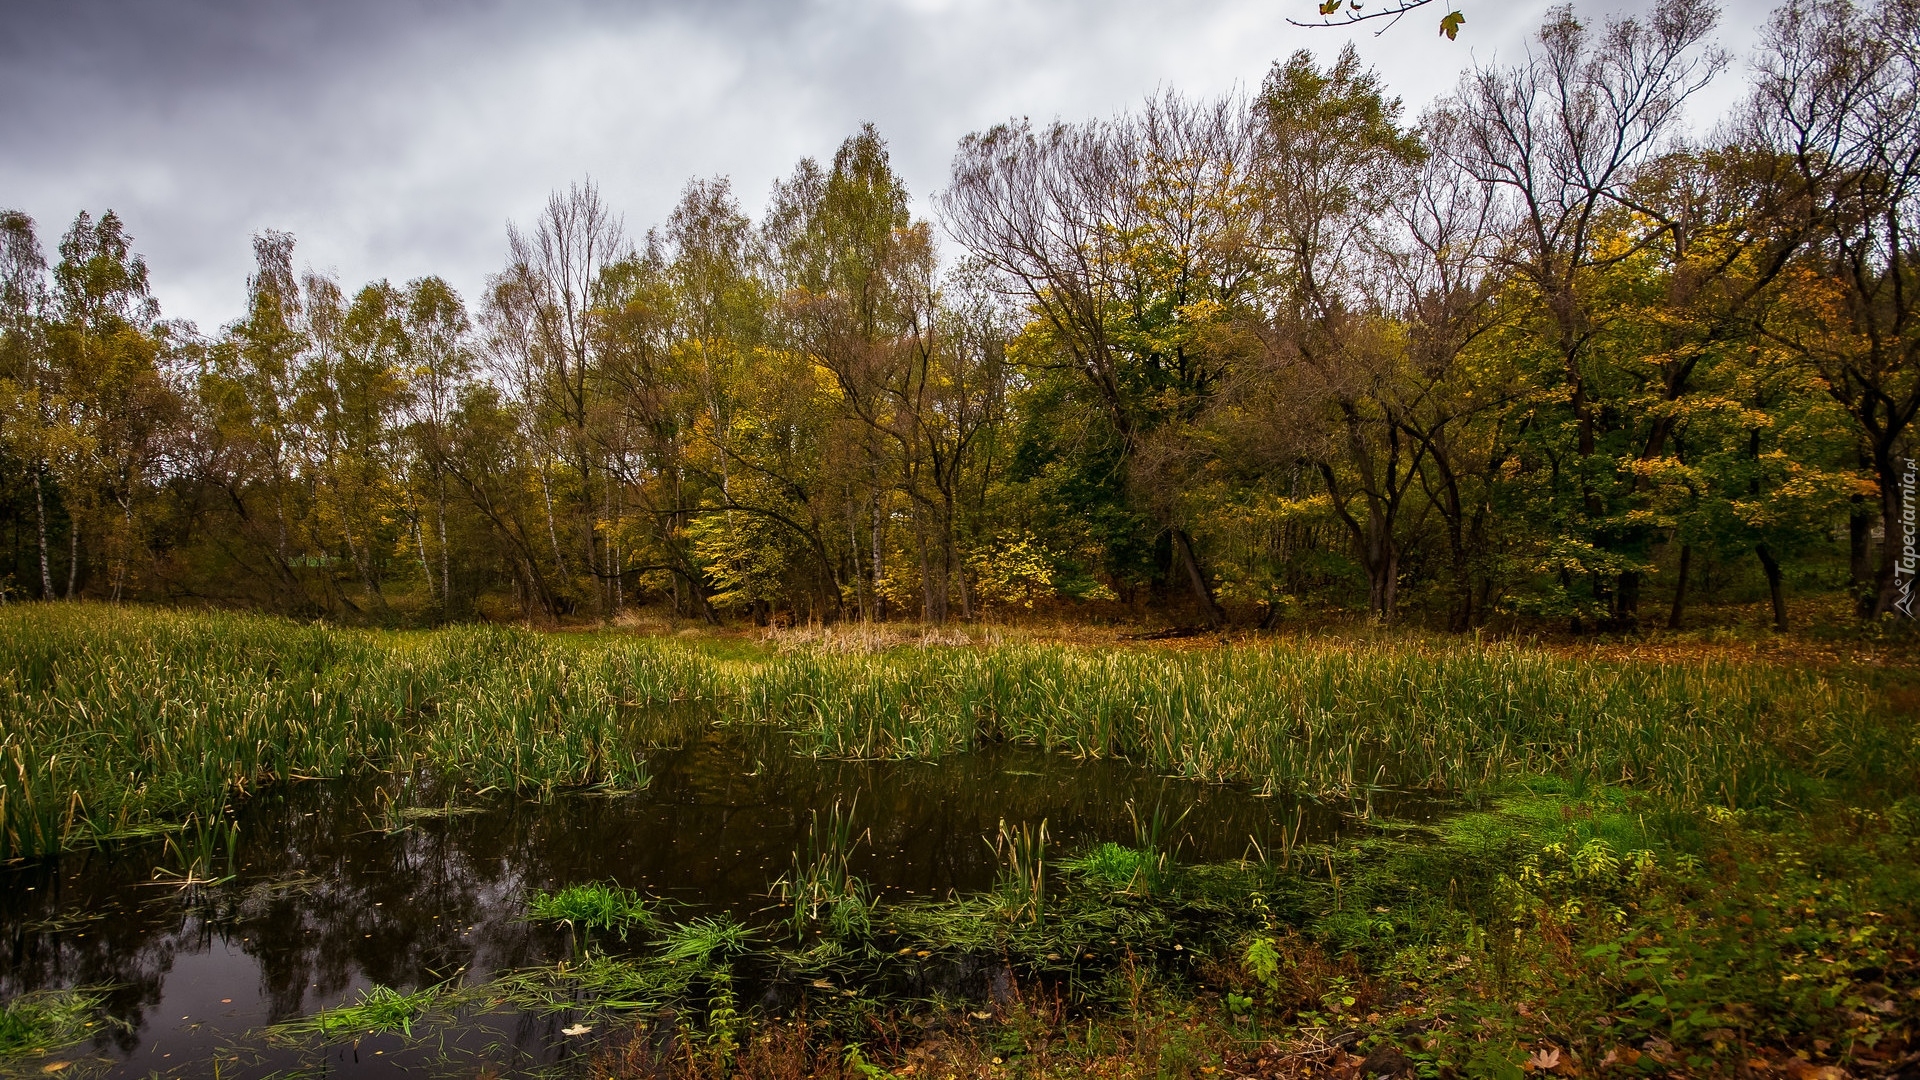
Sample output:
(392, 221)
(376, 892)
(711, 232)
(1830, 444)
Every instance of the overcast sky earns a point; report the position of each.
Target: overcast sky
(397, 138)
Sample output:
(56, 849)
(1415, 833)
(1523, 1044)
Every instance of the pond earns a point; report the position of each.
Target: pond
(323, 892)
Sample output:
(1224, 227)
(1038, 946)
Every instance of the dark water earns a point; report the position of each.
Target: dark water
(322, 904)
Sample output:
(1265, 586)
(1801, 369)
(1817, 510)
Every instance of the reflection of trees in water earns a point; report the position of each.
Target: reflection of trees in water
(122, 949)
(319, 903)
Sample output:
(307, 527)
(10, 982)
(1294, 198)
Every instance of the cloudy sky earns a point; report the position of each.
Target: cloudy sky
(398, 137)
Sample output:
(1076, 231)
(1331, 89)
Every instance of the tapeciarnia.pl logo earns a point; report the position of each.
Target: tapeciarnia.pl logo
(1903, 567)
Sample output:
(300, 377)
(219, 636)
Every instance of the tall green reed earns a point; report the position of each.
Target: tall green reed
(111, 719)
(114, 719)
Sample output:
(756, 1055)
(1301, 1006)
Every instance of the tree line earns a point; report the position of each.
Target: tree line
(1543, 351)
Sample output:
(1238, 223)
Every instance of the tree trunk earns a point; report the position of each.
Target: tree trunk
(1774, 589)
(365, 567)
(73, 554)
(40, 511)
(1626, 601)
(420, 542)
(446, 575)
(1859, 543)
(1383, 583)
(1197, 579)
(553, 531)
(1680, 588)
(877, 566)
(1893, 585)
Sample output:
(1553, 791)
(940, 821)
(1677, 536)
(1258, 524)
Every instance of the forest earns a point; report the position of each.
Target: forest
(1554, 349)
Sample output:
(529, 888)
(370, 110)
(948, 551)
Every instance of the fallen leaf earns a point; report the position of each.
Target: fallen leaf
(1548, 1059)
(54, 1066)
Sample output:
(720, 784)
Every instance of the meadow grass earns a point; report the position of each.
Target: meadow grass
(115, 720)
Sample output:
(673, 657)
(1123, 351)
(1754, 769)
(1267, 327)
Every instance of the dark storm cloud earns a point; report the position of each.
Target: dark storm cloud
(397, 138)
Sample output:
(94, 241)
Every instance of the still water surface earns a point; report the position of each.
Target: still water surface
(322, 904)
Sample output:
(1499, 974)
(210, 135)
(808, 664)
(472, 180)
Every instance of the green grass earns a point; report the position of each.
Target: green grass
(43, 1022)
(704, 940)
(1327, 718)
(380, 1010)
(114, 722)
(591, 906)
(114, 719)
(1113, 865)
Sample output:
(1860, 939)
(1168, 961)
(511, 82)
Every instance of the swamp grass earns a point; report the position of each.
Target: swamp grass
(116, 721)
(590, 906)
(38, 1023)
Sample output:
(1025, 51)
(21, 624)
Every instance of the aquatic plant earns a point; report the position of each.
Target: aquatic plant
(1021, 852)
(820, 881)
(1113, 865)
(701, 940)
(45, 1021)
(116, 721)
(589, 906)
(379, 1010)
(595, 984)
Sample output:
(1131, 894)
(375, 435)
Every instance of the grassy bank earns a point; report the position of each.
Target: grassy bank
(117, 721)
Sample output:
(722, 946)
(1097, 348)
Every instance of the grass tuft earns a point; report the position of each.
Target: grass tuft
(380, 1010)
(591, 906)
(41, 1022)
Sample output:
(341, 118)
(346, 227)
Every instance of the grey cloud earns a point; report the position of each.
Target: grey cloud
(397, 138)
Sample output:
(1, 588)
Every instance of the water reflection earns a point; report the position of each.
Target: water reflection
(321, 902)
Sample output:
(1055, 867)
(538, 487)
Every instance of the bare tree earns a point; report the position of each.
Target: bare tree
(545, 317)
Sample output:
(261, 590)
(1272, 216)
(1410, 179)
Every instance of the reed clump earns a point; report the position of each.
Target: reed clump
(114, 720)
(1336, 717)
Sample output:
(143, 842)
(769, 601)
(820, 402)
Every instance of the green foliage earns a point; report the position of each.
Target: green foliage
(1110, 864)
(703, 941)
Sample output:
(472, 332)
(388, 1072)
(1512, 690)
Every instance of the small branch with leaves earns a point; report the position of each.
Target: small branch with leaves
(1351, 12)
